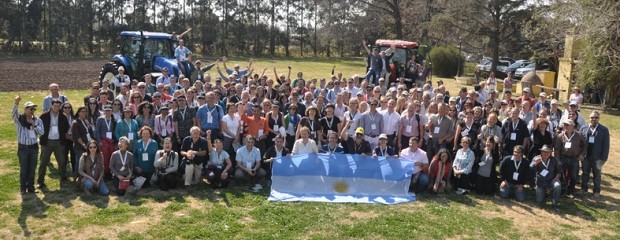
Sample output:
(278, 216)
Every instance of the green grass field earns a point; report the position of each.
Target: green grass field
(64, 212)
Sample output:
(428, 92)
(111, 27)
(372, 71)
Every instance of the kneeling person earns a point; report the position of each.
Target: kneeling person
(248, 164)
(218, 164)
(167, 164)
(548, 171)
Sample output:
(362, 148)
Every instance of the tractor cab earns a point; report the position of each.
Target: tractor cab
(398, 61)
(141, 53)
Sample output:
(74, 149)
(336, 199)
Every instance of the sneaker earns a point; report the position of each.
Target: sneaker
(460, 191)
(258, 187)
(597, 195)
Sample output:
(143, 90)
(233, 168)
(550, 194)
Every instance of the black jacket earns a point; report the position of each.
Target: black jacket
(63, 127)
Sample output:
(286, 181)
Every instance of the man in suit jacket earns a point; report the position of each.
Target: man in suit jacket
(597, 141)
(53, 140)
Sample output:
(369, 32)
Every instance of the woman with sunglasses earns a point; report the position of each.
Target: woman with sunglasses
(81, 131)
(117, 109)
(146, 115)
(134, 102)
(67, 110)
(91, 170)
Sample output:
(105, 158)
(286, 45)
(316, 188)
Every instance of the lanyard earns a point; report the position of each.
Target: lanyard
(108, 123)
(278, 152)
(145, 146)
(329, 122)
(383, 152)
(85, 126)
(514, 126)
(276, 118)
(593, 130)
(545, 164)
(439, 120)
(311, 124)
(517, 165)
(468, 127)
(54, 119)
(161, 127)
(183, 113)
(568, 139)
(352, 116)
(128, 126)
(123, 158)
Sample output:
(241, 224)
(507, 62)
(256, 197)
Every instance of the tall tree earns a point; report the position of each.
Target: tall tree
(393, 8)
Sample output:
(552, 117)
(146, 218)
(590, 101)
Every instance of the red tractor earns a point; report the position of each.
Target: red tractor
(398, 60)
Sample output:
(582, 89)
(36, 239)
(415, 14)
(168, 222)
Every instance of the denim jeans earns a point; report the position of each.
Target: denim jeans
(376, 73)
(507, 191)
(421, 183)
(27, 155)
(541, 192)
(103, 189)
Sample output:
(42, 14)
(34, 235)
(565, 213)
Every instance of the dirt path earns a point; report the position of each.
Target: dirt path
(36, 73)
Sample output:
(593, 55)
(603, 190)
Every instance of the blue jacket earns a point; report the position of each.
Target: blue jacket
(600, 148)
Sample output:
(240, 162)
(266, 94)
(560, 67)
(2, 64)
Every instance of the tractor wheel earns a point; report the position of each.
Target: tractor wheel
(108, 71)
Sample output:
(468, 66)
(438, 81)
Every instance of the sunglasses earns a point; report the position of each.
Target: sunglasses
(136, 97)
(91, 147)
(141, 87)
(593, 117)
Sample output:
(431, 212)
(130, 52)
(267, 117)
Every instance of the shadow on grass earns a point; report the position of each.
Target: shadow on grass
(32, 206)
(63, 196)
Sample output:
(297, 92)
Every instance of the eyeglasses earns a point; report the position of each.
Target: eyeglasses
(136, 97)
(66, 107)
(96, 88)
(118, 104)
(142, 87)
(92, 147)
(593, 117)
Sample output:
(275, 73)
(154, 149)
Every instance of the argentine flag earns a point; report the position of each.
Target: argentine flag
(341, 178)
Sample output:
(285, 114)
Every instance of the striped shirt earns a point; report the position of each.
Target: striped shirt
(27, 136)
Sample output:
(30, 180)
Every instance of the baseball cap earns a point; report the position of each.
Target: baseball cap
(383, 136)
(359, 130)
(29, 104)
(527, 89)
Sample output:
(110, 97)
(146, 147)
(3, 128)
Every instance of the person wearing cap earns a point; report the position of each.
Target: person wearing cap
(210, 116)
(357, 144)
(548, 172)
(198, 74)
(570, 148)
(576, 96)
(555, 114)
(383, 150)
(597, 152)
(53, 140)
(163, 125)
(127, 127)
(372, 122)
(419, 179)
(184, 117)
(164, 78)
(237, 68)
(201, 100)
(513, 172)
(104, 134)
(526, 95)
(120, 78)
(542, 102)
(94, 93)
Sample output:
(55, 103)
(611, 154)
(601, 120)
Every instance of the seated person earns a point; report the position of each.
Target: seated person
(383, 150)
(219, 164)
(193, 150)
(419, 180)
(91, 169)
(332, 144)
(278, 150)
(358, 145)
(439, 171)
(513, 172)
(548, 171)
(248, 164)
(121, 164)
(167, 165)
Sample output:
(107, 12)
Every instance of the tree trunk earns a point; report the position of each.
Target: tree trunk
(272, 37)
(287, 41)
(398, 21)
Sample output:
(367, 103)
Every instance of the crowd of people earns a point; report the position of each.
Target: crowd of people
(172, 132)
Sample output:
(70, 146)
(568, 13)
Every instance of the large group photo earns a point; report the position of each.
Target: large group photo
(169, 128)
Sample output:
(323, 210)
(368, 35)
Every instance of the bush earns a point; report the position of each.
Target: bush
(445, 61)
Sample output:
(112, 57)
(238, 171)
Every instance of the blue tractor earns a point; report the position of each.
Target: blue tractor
(141, 53)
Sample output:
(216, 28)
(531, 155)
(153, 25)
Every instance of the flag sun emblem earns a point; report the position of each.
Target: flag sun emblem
(341, 186)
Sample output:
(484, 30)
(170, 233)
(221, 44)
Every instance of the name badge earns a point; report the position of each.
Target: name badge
(591, 139)
(54, 130)
(408, 129)
(145, 157)
(481, 163)
(276, 127)
(122, 168)
(209, 118)
(513, 136)
(88, 138)
(34, 135)
(260, 132)
(436, 131)
(164, 132)
(544, 172)
(465, 133)
(130, 136)
(515, 176)
(373, 126)
(108, 135)
(568, 144)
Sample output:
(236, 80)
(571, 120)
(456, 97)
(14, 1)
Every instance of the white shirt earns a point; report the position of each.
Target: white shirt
(232, 124)
(300, 148)
(390, 122)
(356, 118)
(419, 156)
